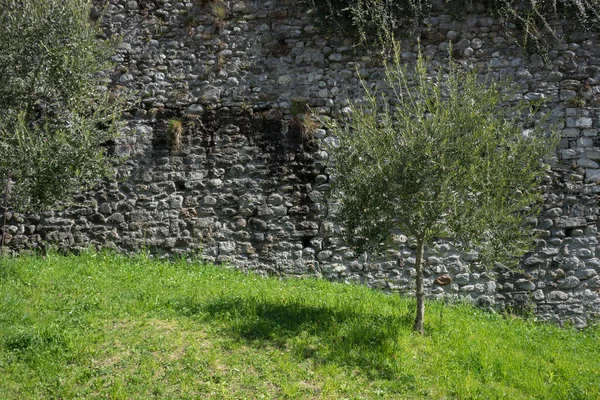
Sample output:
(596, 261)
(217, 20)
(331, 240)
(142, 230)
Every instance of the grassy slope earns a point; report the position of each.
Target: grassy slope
(111, 327)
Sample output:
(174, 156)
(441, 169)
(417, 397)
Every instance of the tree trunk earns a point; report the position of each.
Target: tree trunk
(6, 194)
(418, 327)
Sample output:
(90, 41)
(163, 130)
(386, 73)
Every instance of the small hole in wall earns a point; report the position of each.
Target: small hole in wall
(306, 241)
(569, 232)
(180, 185)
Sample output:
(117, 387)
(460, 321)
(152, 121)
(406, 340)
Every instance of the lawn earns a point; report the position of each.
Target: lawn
(107, 326)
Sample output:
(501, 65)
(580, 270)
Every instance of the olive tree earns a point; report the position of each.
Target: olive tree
(439, 155)
(56, 113)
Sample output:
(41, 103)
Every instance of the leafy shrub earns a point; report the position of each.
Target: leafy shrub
(57, 117)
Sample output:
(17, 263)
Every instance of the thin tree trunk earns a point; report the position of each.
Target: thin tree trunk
(420, 317)
(6, 194)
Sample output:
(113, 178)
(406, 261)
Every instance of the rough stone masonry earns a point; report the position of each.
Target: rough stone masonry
(244, 182)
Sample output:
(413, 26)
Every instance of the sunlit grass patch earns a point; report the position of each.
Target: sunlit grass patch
(101, 325)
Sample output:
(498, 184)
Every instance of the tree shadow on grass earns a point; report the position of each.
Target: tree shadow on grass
(322, 333)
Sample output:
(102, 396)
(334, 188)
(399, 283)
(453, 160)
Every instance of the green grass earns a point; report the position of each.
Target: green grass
(106, 326)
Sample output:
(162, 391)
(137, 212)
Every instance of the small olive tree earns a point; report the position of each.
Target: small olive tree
(442, 156)
(56, 112)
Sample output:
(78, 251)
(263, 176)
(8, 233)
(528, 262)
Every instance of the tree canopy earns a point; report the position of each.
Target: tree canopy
(440, 155)
(56, 113)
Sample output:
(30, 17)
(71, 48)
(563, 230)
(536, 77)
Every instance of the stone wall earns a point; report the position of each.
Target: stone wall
(243, 183)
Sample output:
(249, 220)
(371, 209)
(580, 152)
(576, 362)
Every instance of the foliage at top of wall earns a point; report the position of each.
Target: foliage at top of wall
(368, 18)
(380, 19)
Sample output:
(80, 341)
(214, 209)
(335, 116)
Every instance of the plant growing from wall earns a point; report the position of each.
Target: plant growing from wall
(56, 115)
(218, 10)
(303, 126)
(174, 131)
(439, 157)
(576, 101)
(221, 62)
